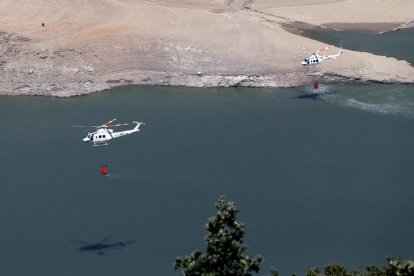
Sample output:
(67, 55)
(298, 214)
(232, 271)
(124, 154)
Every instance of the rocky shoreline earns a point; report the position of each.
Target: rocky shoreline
(252, 47)
(70, 89)
(66, 73)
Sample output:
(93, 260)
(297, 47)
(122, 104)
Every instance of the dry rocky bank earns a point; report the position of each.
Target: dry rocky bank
(48, 47)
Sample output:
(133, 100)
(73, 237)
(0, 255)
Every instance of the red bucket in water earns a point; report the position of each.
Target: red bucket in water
(104, 169)
(316, 85)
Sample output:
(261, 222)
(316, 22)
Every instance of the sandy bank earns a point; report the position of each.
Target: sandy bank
(86, 46)
(367, 14)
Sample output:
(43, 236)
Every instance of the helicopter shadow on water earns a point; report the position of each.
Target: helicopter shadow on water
(310, 93)
(101, 246)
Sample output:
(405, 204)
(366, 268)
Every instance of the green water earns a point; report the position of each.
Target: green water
(316, 181)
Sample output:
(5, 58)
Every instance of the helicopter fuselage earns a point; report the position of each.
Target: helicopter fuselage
(316, 58)
(100, 246)
(101, 136)
(312, 60)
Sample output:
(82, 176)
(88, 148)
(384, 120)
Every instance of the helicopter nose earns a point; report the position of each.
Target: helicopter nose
(85, 139)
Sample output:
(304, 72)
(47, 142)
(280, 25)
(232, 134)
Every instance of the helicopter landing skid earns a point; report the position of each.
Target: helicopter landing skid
(100, 144)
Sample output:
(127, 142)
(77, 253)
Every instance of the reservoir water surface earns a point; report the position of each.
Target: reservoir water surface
(316, 181)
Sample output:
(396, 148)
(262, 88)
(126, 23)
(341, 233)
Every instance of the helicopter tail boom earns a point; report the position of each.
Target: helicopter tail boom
(335, 56)
(126, 132)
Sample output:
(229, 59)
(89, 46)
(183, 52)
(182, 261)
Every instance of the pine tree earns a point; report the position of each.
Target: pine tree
(225, 254)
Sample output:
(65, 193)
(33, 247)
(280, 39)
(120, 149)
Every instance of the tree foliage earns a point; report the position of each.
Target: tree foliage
(274, 271)
(399, 267)
(394, 267)
(225, 253)
(314, 272)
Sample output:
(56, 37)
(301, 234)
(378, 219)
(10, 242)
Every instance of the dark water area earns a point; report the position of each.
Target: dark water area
(316, 181)
(397, 44)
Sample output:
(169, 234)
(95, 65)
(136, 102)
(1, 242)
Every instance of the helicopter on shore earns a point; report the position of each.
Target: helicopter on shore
(104, 132)
(316, 58)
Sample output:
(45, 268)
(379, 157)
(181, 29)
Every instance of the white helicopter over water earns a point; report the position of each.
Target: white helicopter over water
(316, 58)
(104, 133)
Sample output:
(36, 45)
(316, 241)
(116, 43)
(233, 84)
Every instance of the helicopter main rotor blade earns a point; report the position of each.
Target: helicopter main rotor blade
(81, 242)
(85, 126)
(117, 125)
(104, 240)
(104, 125)
(127, 243)
(123, 244)
(115, 247)
(323, 49)
(306, 49)
(90, 130)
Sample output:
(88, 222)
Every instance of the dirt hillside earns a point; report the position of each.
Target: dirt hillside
(65, 48)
